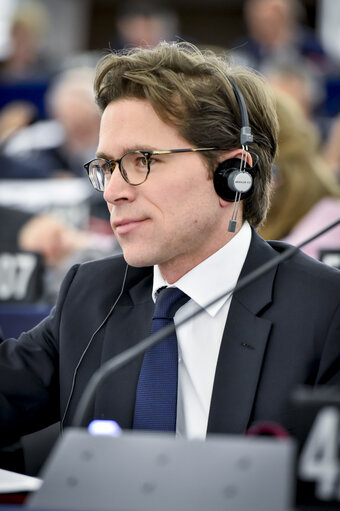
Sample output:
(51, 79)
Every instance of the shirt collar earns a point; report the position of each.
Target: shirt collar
(213, 276)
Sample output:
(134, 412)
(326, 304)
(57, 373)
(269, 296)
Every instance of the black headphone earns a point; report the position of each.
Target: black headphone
(230, 179)
(234, 176)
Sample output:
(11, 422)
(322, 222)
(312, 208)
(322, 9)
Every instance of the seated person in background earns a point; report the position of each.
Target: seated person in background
(15, 116)
(59, 244)
(144, 23)
(308, 90)
(170, 143)
(332, 147)
(306, 195)
(25, 60)
(277, 34)
(57, 147)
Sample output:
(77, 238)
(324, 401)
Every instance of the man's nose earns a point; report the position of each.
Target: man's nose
(117, 188)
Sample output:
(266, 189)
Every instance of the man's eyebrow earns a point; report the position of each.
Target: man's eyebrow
(125, 150)
(103, 156)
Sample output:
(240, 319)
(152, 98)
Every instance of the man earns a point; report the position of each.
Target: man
(143, 24)
(277, 34)
(171, 117)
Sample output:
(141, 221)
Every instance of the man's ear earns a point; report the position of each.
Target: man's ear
(237, 153)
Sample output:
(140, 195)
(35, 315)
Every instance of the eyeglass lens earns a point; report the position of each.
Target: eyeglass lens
(133, 167)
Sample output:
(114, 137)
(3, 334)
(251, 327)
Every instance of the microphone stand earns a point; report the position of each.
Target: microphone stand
(82, 412)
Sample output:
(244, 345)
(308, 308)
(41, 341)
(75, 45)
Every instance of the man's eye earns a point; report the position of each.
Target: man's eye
(107, 169)
(141, 161)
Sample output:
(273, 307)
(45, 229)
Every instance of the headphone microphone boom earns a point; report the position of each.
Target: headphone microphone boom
(233, 179)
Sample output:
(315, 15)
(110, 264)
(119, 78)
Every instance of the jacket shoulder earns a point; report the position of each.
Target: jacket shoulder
(108, 274)
(304, 268)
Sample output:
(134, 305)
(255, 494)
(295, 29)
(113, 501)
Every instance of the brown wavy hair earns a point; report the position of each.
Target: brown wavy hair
(189, 90)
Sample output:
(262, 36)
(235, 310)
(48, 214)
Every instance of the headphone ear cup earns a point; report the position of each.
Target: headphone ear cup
(229, 179)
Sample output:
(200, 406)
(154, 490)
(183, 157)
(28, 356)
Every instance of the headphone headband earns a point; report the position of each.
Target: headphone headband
(246, 136)
(233, 178)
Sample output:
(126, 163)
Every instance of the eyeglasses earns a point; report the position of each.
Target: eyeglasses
(134, 166)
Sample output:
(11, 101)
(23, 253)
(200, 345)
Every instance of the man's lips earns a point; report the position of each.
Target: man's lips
(127, 225)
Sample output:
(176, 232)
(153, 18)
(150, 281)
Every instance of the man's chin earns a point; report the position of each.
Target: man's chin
(137, 261)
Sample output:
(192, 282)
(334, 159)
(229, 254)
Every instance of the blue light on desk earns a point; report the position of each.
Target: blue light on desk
(100, 427)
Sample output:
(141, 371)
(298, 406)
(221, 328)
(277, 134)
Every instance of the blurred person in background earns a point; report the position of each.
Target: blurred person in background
(306, 196)
(298, 83)
(144, 24)
(70, 101)
(301, 85)
(15, 116)
(56, 148)
(332, 147)
(309, 92)
(276, 34)
(59, 145)
(45, 234)
(21, 69)
(59, 244)
(25, 60)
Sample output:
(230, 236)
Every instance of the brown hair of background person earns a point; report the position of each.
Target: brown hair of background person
(188, 90)
(303, 174)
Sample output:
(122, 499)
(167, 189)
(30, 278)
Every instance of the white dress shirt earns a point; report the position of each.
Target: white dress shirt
(199, 339)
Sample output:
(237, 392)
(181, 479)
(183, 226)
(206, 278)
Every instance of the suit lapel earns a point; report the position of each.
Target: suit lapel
(243, 347)
(128, 325)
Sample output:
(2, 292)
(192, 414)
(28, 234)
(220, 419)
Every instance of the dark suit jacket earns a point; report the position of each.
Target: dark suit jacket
(282, 330)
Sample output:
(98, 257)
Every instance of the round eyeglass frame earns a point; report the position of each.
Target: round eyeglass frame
(147, 154)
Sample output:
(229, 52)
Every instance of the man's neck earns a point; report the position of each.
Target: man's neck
(176, 268)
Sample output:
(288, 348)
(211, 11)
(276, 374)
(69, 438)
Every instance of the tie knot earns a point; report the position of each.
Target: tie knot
(168, 301)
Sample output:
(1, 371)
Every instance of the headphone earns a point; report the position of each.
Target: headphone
(233, 178)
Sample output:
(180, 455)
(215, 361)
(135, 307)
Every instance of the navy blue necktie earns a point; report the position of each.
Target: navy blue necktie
(156, 397)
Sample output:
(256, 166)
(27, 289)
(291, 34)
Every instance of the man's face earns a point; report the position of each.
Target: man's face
(175, 218)
(267, 18)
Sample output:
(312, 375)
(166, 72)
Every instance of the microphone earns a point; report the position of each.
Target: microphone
(81, 418)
